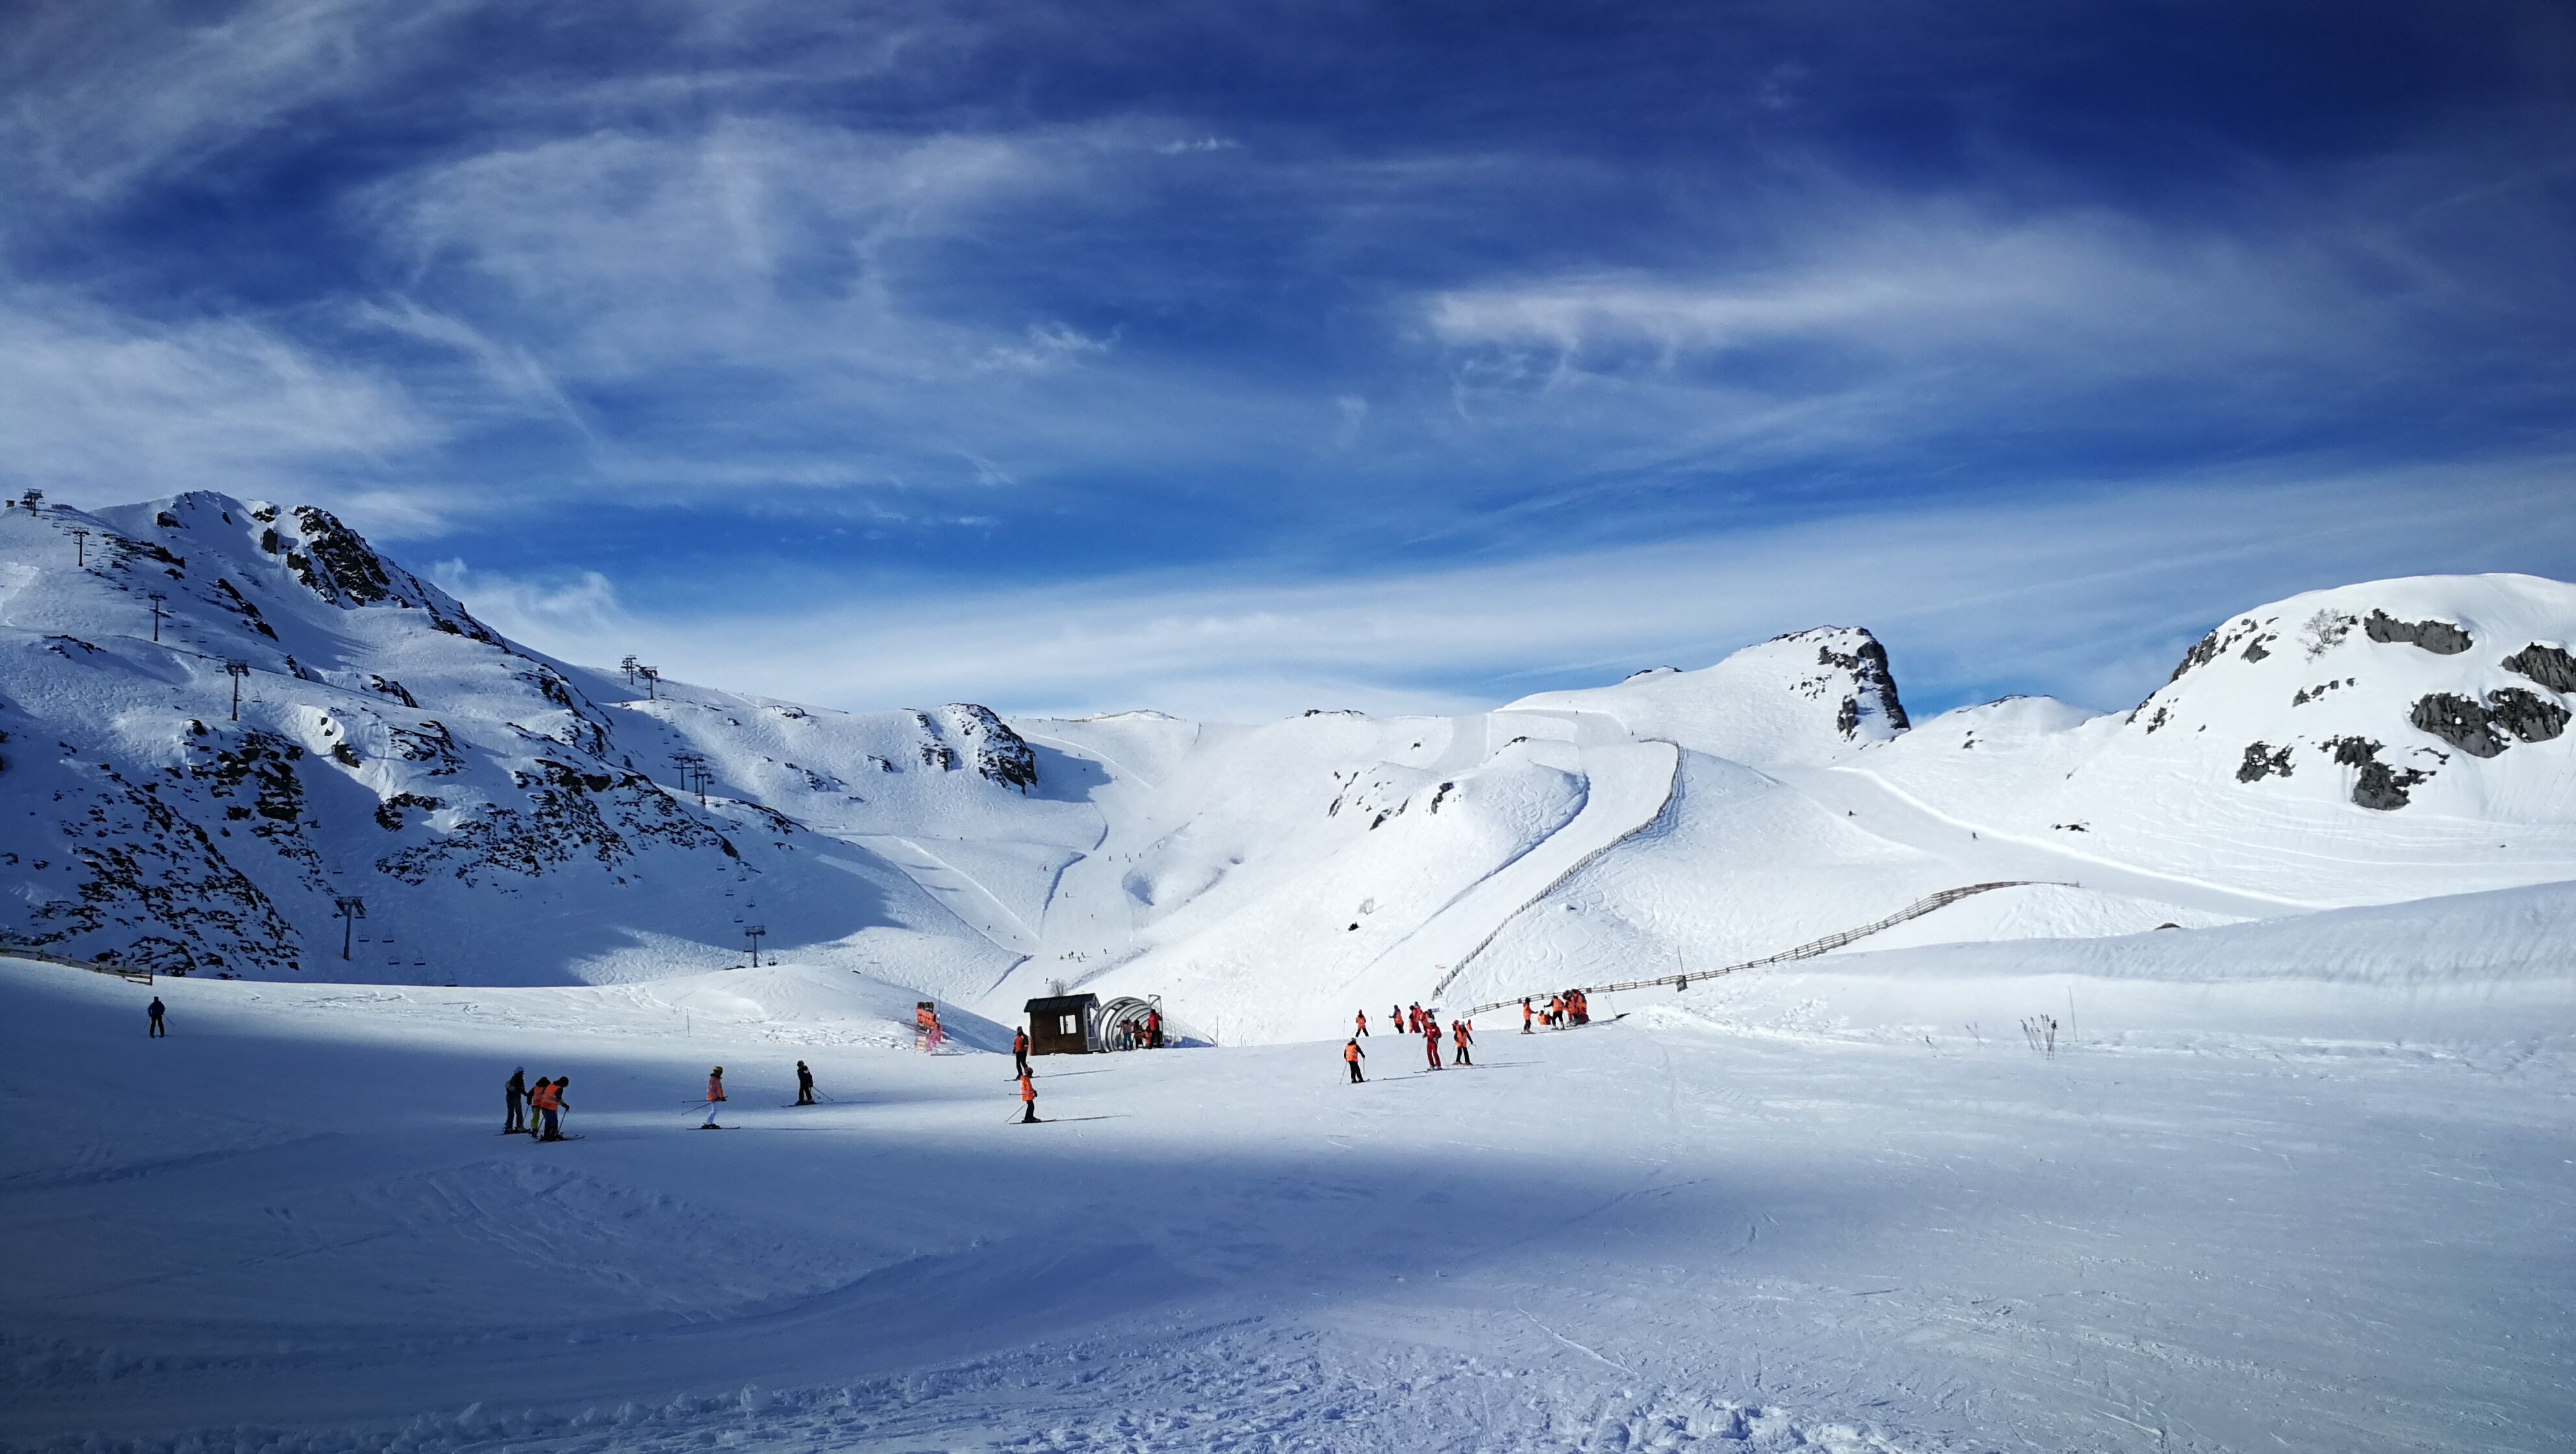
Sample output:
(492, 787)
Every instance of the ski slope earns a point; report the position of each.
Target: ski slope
(2298, 1184)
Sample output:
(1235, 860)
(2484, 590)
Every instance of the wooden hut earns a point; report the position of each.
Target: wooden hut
(1063, 1024)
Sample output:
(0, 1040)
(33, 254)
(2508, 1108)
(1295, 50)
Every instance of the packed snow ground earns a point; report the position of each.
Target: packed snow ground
(2300, 1184)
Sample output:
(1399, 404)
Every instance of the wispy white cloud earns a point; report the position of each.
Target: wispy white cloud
(104, 96)
(2090, 595)
(108, 406)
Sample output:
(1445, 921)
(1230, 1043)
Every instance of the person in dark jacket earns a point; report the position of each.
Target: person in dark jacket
(154, 1012)
(514, 1093)
(804, 1085)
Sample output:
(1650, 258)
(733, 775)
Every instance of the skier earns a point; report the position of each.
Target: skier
(513, 1091)
(547, 1100)
(804, 1085)
(1394, 1019)
(554, 1113)
(1431, 1043)
(1359, 1024)
(1351, 1054)
(156, 1030)
(1028, 1098)
(1020, 1051)
(1460, 1038)
(715, 1098)
(1555, 1011)
(1526, 1014)
(1153, 1029)
(1579, 1007)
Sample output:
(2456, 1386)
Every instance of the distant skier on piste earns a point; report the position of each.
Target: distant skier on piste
(513, 1091)
(804, 1085)
(1028, 1098)
(1020, 1051)
(1461, 1036)
(153, 1013)
(715, 1098)
(1431, 1043)
(1359, 1024)
(1351, 1055)
(1526, 1014)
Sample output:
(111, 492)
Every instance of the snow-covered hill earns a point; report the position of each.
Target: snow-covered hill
(511, 818)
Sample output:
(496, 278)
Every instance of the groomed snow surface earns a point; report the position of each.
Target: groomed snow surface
(2301, 1184)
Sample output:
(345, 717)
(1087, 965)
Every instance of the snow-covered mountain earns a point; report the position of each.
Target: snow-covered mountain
(507, 817)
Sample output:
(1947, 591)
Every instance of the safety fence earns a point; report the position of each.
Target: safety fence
(138, 974)
(1681, 979)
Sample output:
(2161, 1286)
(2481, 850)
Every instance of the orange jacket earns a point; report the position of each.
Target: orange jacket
(1028, 1089)
(1351, 1051)
(715, 1087)
(545, 1097)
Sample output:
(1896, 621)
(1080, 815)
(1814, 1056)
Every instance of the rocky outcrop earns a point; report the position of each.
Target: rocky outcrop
(2438, 637)
(2550, 666)
(1867, 664)
(1000, 754)
(2261, 761)
(2376, 785)
(2527, 715)
(2459, 721)
(2472, 726)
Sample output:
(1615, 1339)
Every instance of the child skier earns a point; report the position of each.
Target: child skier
(804, 1085)
(715, 1098)
(1460, 1037)
(1359, 1024)
(545, 1099)
(556, 1105)
(1351, 1053)
(1028, 1099)
(154, 1011)
(1526, 1014)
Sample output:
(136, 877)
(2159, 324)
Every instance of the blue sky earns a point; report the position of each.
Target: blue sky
(1234, 359)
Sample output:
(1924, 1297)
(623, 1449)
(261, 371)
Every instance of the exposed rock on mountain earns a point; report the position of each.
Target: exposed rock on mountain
(2439, 637)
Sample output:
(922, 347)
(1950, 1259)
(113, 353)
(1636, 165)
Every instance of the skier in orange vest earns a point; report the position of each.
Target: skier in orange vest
(1351, 1053)
(1431, 1042)
(548, 1100)
(1460, 1036)
(1028, 1100)
(715, 1098)
(1359, 1023)
(1526, 1013)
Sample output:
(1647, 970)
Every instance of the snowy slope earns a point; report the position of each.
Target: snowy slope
(2371, 743)
(1808, 697)
(2294, 1185)
(503, 817)
(508, 818)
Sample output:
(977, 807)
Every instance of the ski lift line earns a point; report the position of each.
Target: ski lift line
(1812, 947)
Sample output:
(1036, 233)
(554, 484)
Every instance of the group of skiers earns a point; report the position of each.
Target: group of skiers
(1413, 1020)
(544, 1103)
(1563, 1009)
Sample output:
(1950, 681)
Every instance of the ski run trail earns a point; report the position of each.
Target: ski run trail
(2303, 1184)
(2243, 1119)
